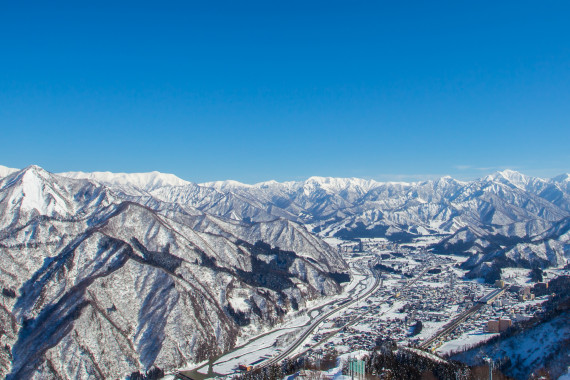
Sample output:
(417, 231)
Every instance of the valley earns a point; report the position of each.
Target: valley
(105, 274)
(380, 305)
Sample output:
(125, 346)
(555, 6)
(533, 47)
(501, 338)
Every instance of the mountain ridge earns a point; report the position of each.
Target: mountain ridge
(496, 217)
(95, 283)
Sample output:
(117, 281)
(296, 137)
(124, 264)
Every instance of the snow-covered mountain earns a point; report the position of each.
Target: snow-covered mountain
(96, 284)
(107, 273)
(498, 217)
(5, 171)
(144, 181)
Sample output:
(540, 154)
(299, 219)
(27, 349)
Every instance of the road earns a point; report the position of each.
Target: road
(282, 356)
(360, 317)
(197, 375)
(449, 327)
(314, 324)
(306, 334)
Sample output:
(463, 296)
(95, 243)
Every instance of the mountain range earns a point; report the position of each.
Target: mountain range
(105, 274)
(503, 219)
(95, 284)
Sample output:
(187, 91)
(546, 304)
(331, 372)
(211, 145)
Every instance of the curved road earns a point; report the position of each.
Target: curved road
(299, 341)
(282, 356)
(308, 332)
(195, 374)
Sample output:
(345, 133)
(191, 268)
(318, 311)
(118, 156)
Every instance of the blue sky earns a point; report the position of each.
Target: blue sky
(255, 91)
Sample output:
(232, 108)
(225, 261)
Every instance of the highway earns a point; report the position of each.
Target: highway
(316, 323)
(285, 354)
(282, 356)
(359, 318)
(195, 374)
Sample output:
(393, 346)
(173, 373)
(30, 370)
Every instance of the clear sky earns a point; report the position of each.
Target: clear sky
(284, 90)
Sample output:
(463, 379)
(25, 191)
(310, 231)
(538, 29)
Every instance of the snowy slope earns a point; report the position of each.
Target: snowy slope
(5, 171)
(108, 273)
(505, 203)
(98, 285)
(498, 217)
(543, 346)
(145, 181)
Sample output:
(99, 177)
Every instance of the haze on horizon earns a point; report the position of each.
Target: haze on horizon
(259, 91)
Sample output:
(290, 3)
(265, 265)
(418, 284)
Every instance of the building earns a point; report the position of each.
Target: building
(504, 324)
(493, 326)
(526, 296)
(497, 326)
(518, 289)
(499, 283)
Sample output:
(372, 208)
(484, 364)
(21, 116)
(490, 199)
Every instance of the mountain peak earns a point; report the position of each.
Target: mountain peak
(32, 173)
(333, 183)
(6, 171)
(227, 184)
(509, 172)
(147, 181)
(511, 176)
(34, 189)
(561, 178)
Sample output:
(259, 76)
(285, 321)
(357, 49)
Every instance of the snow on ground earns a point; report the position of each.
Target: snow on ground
(426, 354)
(333, 373)
(425, 241)
(363, 327)
(239, 303)
(435, 284)
(190, 366)
(457, 259)
(203, 370)
(392, 313)
(352, 284)
(517, 276)
(298, 322)
(333, 242)
(358, 354)
(523, 349)
(467, 339)
(250, 353)
(429, 328)
(555, 272)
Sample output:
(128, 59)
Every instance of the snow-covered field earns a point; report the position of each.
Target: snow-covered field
(465, 340)
(517, 276)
